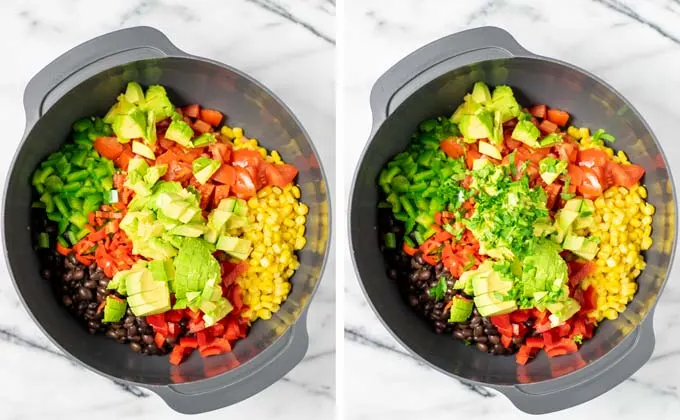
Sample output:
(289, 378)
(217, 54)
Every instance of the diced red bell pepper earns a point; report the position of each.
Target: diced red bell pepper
(232, 330)
(196, 326)
(189, 342)
(210, 351)
(563, 330)
(521, 315)
(501, 321)
(159, 339)
(535, 342)
(409, 250)
(174, 315)
(177, 355)
(173, 330)
(590, 299)
(519, 330)
(506, 341)
(523, 355)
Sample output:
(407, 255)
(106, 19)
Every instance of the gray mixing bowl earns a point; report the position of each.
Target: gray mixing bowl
(432, 82)
(85, 81)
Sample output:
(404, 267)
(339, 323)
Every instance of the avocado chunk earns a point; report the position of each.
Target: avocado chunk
(468, 107)
(574, 205)
(157, 249)
(122, 107)
(134, 93)
(561, 311)
(490, 305)
(227, 204)
(161, 270)
(151, 135)
(550, 168)
(157, 101)
(114, 309)
(490, 283)
(461, 309)
(573, 242)
(588, 250)
(503, 100)
(204, 168)
(204, 140)
(497, 134)
(480, 93)
(236, 247)
(478, 126)
(527, 133)
(143, 150)
(180, 132)
(489, 150)
(129, 126)
(217, 219)
(146, 296)
(191, 230)
(154, 173)
(550, 140)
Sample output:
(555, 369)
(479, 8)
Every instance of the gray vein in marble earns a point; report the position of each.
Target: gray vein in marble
(360, 338)
(277, 9)
(146, 6)
(629, 12)
(668, 391)
(13, 338)
(321, 391)
(664, 356)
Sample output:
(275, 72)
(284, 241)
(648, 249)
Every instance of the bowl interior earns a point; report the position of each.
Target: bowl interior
(246, 104)
(535, 81)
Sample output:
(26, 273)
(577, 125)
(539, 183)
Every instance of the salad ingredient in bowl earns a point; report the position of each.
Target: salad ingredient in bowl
(512, 231)
(163, 231)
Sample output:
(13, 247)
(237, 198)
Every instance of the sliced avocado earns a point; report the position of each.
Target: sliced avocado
(527, 133)
(157, 100)
(211, 235)
(151, 136)
(180, 132)
(122, 107)
(478, 126)
(239, 255)
(550, 140)
(241, 207)
(233, 245)
(138, 281)
(155, 173)
(588, 249)
(565, 218)
(550, 168)
(114, 310)
(143, 150)
(573, 242)
(204, 140)
(562, 311)
(189, 214)
(174, 209)
(497, 135)
(134, 93)
(158, 249)
(118, 282)
(503, 100)
(574, 205)
(153, 309)
(560, 233)
(158, 269)
(538, 296)
(190, 230)
(461, 308)
(489, 150)
(218, 218)
(489, 304)
(227, 204)
(481, 93)
(468, 107)
(130, 126)
(236, 222)
(582, 222)
(490, 283)
(204, 168)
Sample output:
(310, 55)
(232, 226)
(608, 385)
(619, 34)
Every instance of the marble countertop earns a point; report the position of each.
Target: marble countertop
(633, 45)
(38, 381)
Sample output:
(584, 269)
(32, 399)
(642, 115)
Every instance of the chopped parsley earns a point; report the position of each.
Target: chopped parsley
(578, 339)
(567, 183)
(439, 291)
(600, 135)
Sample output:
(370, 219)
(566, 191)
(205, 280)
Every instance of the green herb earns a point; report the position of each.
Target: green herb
(439, 291)
(567, 183)
(467, 342)
(578, 339)
(601, 134)
(470, 263)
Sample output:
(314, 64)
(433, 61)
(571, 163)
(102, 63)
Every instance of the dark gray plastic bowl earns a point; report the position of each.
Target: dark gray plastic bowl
(85, 81)
(432, 82)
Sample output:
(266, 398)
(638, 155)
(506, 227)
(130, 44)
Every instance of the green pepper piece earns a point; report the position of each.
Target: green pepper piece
(37, 205)
(81, 234)
(384, 205)
(75, 203)
(40, 176)
(425, 159)
(436, 204)
(62, 242)
(418, 237)
(425, 220)
(43, 240)
(424, 176)
(86, 190)
(71, 187)
(71, 236)
(415, 188)
(63, 224)
(400, 183)
(409, 225)
(428, 234)
(91, 203)
(55, 217)
(78, 158)
(61, 206)
(428, 125)
(80, 175)
(83, 124)
(62, 167)
(422, 204)
(99, 124)
(390, 240)
(394, 200)
(408, 207)
(53, 184)
(47, 200)
(401, 216)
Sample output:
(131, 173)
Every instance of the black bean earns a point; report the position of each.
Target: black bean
(46, 273)
(72, 259)
(413, 276)
(78, 275)
(93, 325)
(419, 258)
(415, 264)
(129, 320)
(135, 339)
(392, 273)
(459, 335)
(67, 300)
(517, 340)
(121, 340)
(148, 339)
(467, 333)
(413, 300)
(101, 291)
(90, 284)
(132, 331)
(476, 320)
(136, 347)
(84, 293)
(424, 274)
(103, 283)
(491, 330)
(494, 339)
(120, 333)
(478, 331)
(171, 340)
(111, 333)
(482, 339)
(482, 347)
(67, 276)
(498, 348)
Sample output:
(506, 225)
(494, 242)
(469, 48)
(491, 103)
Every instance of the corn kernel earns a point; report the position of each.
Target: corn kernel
(237, 132)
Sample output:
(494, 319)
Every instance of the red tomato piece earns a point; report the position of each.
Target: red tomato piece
(575, 174)
(272, 176)
(108, 147)
(123, 159)
(192, 110)
(244, 158)
(221, 151)
(221, 192)
(553, 192)
(547, 126)
(535, 342)
(165, 143)
(471, 155)
(206, 191)
(225, 175)
(288, 172)
(635, 172)
(211, 116)
(591, 186)
(159, 339)
(177, 355)
(178, 171)
(567, 152)
(202, 126)
(538, 111)
(452, 148)
(166, 158)
(558, 117)
(506, 341)
(244, 186)
(592, 158)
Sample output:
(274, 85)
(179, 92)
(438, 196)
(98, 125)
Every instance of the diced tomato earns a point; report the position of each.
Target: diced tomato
(202, 126)
(506, 341)
(635, 173)
(225, 175)
(553, 192)
(538, 111)
(559, 117)
(178, 171)
(188, 342)
(108, 147)
(244, 158)
(174, 315)
(563, 330)
(590, 298)
(511, 143)
(165, 143)
(535, 342)
(563, 343)
(471, 155)
(243, 187)
(272, 175)
(123, 159)
(288, 172)
(221, 151)
(231, 276)
(211, 116)
(187, 155)
(575, 174)
(206, 190)
(542, 325)
(221, 192)
(591, 186)
(159, 339)
(567, 152)
(523, 355)
(452, 148)
(578, 271)
(519, 315)
(192, 110)
(592, 158)
(547, 126)
(232, 331)
(166, 158)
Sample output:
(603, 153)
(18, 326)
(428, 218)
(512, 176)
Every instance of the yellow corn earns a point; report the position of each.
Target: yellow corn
(624, 232)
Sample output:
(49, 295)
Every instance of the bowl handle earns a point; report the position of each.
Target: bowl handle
(259, 373)
(436, 58)
(593, 380)
(88, 59)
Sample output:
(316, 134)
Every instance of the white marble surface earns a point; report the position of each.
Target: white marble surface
(635, 46)
(37, 381)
